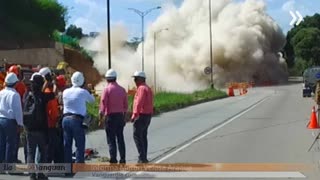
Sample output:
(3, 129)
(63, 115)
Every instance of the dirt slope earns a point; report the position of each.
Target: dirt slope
(79, 63)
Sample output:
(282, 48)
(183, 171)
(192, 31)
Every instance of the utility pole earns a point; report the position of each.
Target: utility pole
(211, 56)
(109, 35)
(155, 56)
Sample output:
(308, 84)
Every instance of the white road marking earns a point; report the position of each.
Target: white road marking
(210, 132)
(206, 134)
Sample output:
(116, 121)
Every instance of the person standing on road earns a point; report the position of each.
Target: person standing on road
(36, 122)
(11, 119)
(141, 115)
(53, 112)
(21, 88)
(113, 107)
(75, 100)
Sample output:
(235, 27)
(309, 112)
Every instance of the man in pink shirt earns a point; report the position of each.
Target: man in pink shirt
(113, 107)
(141, 116)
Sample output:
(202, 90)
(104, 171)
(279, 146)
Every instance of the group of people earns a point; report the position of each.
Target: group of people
(52, 115)
(113, 109)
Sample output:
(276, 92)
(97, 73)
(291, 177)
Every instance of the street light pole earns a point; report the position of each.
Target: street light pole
(142, 39)
(210, 29)
(142, 15)
(109, 36)
(154, 58)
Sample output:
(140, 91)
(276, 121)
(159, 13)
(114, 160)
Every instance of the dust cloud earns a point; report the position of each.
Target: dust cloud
(246, 46)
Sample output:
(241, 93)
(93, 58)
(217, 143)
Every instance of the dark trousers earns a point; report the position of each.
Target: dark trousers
(37, 139)
(114, 126)
(8, 140)
(140, 133)
(73, 129)
(55, 146)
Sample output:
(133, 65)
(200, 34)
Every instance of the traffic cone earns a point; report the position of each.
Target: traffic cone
(313, 124)
(230, 91)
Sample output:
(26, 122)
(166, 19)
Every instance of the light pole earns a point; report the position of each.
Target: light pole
(210, 29)
(109, 36)
(142, 15)
(155, 56)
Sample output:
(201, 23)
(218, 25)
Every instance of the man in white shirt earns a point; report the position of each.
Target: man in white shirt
(75, 99)
(11, 119)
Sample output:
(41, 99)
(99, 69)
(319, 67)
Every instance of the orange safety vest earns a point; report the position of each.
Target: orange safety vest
(53, 110)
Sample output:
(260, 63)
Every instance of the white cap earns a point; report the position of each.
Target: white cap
(44, 71)
(111, 74)
(139, 74)
(77, 79)
(33, 75)
(11, 78)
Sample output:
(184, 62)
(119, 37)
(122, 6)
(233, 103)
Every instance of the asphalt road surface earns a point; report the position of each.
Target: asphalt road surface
(268, 125)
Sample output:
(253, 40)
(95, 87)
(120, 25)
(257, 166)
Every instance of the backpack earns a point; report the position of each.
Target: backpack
(29, 110)
(53, 112)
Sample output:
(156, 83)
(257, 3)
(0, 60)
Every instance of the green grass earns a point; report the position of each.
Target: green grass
(166, 101)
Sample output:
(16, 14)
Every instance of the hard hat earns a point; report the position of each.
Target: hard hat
(44, 71)
(61, 81)
(111, 74)
(77, 79)
(14, 69)
(11, 78)
(33, 75)
(139, 74)
(37, 78)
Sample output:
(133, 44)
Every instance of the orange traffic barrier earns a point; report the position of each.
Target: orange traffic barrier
(313, 124)
(245, 91)
(230, 91)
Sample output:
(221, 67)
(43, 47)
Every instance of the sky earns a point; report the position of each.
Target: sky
(91, 15)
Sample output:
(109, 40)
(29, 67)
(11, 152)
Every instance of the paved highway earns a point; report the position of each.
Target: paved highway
(268, 125)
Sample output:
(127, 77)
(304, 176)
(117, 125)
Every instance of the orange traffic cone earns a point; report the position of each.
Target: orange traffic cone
(230, 91)
(313, 124)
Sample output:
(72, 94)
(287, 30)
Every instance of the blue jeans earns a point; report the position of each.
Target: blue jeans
(8, 140)
(73, 129)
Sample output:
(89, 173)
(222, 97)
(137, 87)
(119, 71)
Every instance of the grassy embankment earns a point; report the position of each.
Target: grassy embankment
(167, 101)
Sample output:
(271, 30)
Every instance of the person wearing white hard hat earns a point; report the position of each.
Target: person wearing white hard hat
(141, 115)
(113, 107)
(75, 100)
(11, 119)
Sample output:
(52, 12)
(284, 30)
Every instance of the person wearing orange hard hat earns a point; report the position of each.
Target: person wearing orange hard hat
(21, 88)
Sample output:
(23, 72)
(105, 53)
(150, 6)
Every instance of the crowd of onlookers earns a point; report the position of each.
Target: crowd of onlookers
(52, 115)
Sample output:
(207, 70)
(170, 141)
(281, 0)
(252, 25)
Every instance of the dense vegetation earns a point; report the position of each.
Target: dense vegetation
(303, 45)
(30, 20)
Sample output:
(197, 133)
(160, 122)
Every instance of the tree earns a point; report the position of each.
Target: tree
(289, 49)
(306, 45)
(25, 20)
(74, 32)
